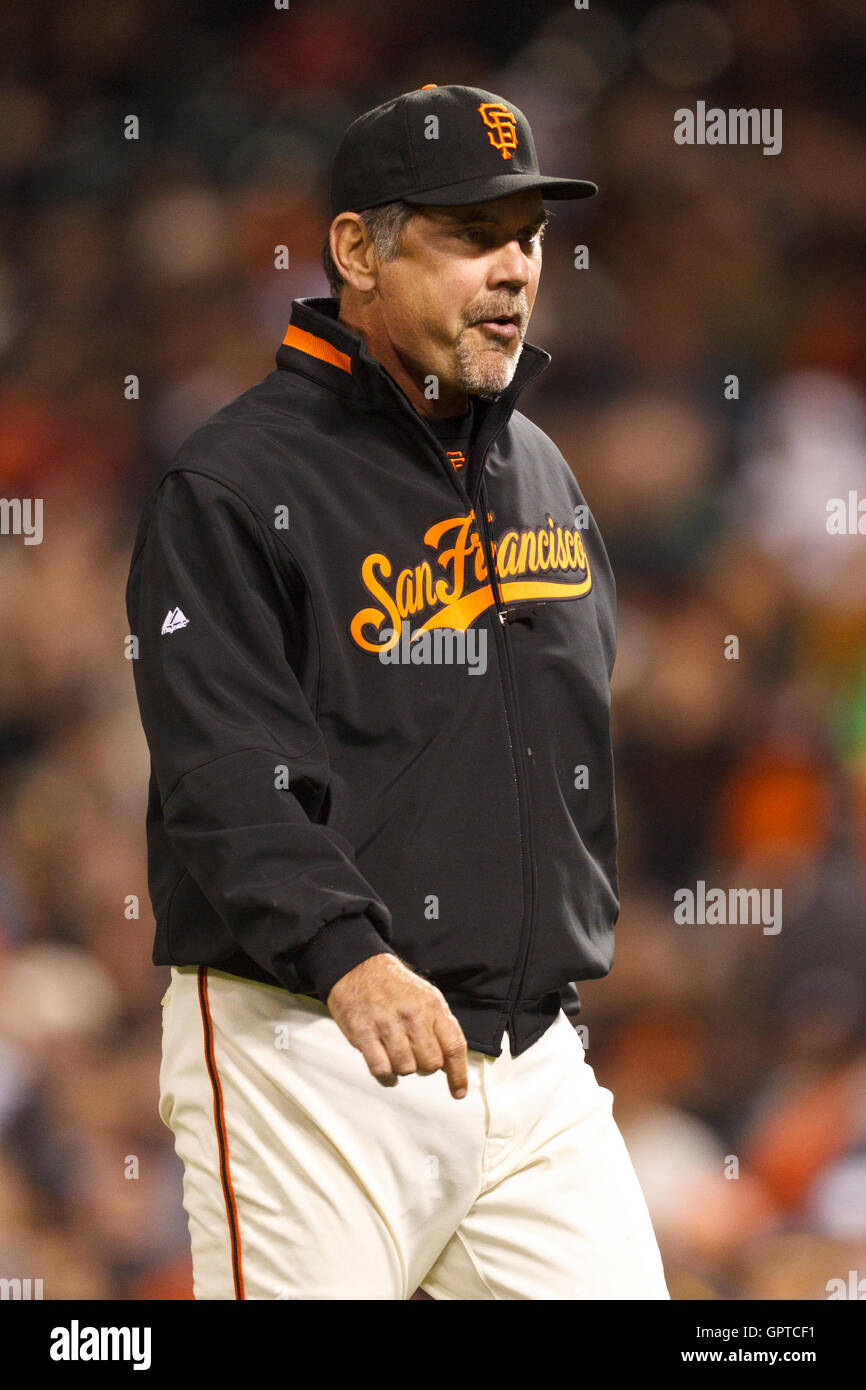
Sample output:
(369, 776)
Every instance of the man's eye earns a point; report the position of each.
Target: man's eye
(478, 235)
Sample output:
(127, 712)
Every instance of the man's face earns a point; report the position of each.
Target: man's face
(458, 269)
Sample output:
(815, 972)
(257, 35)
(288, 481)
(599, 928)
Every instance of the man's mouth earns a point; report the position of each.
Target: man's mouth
(503, 326)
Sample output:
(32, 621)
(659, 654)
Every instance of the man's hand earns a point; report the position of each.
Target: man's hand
(400, 1022)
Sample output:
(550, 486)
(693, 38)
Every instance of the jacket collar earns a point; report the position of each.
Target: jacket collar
(318, 345)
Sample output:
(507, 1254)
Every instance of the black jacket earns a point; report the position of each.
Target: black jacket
(313, 802)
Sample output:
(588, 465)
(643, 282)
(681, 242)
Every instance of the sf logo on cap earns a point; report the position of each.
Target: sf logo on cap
(501, 127)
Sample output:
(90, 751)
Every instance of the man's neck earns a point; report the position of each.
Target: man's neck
(451, 401)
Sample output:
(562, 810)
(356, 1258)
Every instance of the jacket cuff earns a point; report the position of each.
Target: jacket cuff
(337, 948)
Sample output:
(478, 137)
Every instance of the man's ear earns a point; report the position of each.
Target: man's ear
(352, 251)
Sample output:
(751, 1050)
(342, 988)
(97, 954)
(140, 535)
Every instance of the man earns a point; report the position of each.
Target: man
(376, 628)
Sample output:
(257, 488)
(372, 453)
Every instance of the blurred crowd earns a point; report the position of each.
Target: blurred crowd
(707, 388)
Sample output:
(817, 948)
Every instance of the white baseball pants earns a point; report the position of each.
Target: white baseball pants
(304, 1178)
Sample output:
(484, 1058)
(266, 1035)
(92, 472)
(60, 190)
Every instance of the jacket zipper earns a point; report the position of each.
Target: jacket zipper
(512, 725)
(518, 764)
(509, 691)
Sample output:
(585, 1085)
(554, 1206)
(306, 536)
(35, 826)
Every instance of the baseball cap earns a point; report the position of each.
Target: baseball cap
(441, 145)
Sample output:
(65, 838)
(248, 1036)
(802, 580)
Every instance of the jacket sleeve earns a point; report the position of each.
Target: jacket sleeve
(230, 734)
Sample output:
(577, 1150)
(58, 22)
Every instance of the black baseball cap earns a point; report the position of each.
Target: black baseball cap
(441, 145)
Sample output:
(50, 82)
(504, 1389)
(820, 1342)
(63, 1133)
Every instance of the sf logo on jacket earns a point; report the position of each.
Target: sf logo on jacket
(457, 590)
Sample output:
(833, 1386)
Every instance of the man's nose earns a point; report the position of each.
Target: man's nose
(512, 266)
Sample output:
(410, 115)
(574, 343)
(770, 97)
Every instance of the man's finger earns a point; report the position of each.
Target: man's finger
(397, 1045)
(424, 1044)
(453, 1044)
(378, 1061)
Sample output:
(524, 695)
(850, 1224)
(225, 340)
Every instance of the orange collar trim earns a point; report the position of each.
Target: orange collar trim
(317, 347)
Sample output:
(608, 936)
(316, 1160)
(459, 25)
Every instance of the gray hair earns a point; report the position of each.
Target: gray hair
(385, 225)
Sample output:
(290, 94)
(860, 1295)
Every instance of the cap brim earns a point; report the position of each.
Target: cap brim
(499, 186)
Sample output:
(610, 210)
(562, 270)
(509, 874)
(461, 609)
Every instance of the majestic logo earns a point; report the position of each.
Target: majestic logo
(173, 620)
(501, 127)
(455, 593)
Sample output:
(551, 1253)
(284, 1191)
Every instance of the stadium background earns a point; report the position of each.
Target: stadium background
(156, 258)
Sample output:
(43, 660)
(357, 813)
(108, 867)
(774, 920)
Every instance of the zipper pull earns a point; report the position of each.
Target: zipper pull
(509, 615)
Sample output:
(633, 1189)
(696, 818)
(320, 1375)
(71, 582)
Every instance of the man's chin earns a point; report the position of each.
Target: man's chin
(488, 384)
(487, 373)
